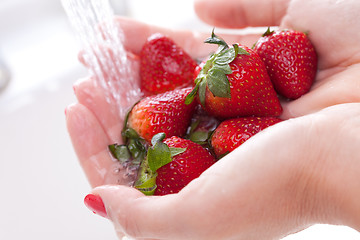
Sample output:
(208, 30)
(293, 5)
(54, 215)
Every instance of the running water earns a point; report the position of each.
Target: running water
(106, 58)
(93, 21)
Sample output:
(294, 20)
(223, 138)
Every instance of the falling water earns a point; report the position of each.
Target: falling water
(104, 53)
(106, 58)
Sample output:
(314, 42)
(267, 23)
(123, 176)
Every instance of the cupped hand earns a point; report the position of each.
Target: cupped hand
(331, 26)
(292, 175)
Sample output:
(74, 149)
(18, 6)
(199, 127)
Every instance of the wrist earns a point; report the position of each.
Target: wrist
(333, 173)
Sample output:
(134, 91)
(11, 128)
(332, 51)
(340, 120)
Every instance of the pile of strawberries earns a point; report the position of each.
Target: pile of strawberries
(194, 114)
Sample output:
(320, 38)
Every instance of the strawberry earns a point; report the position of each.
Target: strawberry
(171, 164)
(184, 167)
(290, 60)
(231, 133)
(165, 112)
(164, 66)
(234, 82)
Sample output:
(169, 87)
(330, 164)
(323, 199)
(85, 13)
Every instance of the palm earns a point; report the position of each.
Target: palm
(337, 47)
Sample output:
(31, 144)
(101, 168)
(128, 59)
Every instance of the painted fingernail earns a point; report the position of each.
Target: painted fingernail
(95, 204)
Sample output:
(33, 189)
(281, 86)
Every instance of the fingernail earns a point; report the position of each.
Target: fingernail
(95, 204)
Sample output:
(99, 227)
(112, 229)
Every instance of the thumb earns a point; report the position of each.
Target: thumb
(131, 212)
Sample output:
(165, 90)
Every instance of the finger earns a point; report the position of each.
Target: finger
(139, 216)
(94, 98)
(136, 33)
(85, 58)
(241, 13)
(329, 89)
(90, 143)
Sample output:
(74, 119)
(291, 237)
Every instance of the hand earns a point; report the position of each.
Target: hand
(331, 27)
(254, 192)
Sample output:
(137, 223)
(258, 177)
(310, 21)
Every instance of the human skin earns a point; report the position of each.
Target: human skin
(302, 171)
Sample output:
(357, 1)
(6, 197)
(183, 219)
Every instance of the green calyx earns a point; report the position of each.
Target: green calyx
(136, 152)
(133, 151)
(268, 32)
(200, 136)
(158, 155)
(213, 74)
(134, 148)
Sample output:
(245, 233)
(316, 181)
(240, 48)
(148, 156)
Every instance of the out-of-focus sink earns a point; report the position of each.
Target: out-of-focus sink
(42, 185)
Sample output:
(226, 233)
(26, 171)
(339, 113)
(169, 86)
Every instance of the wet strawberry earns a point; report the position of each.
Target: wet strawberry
(290, 60)
(231, 133)
(234, 82)
(184, 167)
(164, 66)
(171, 164)
(165, 112)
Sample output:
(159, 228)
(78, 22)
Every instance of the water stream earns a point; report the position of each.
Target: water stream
(106, 58)
(102, 43)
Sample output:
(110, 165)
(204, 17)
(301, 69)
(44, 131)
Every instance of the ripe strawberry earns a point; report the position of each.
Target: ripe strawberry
(164, 66)
(232, 133)
(171, 164)
(165, 112)
(184, 167)
(290, 60)
(234, 82)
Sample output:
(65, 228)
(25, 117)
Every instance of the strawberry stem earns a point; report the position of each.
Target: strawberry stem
(158, 155)
(214, 73)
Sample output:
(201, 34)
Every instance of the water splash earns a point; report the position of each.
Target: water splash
(106, 58)
(104, 53)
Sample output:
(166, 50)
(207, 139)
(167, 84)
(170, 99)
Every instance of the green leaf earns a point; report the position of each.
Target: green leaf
(194, 125)
(199, 137)
(242, 51)
(202, 92)
(148, 191)
(120, 152)
(191, 96)
(224, 68)
(176, 151)
(126, 122)
(225, 57)
(146, 181)
(214, 39)
(131, 133)
(159, 137)
(136, 149)
(158, 156)
(267, 32)
(218, 83)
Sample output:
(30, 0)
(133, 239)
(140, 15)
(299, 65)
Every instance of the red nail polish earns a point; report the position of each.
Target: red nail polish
(95, 204)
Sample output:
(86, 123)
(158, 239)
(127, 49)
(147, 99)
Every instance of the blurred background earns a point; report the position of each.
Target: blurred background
(42, 185)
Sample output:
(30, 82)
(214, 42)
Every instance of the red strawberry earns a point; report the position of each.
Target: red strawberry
(165, 112)
(290, 60)
(171, 164)
(232, 133)
(234, 82)
(164, 66)
(184, 167)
